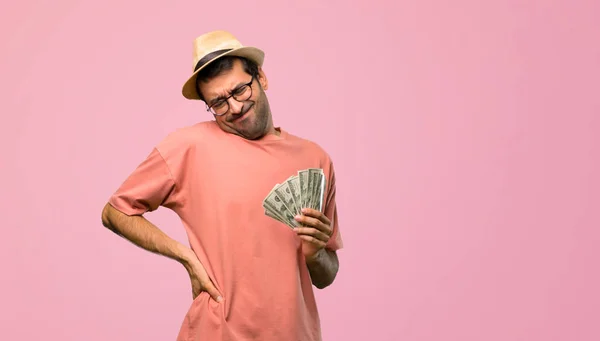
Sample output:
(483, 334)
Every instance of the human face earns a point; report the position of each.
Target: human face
(250, 118)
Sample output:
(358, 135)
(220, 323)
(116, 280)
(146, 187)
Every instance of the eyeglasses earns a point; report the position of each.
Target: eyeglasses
(240, 94)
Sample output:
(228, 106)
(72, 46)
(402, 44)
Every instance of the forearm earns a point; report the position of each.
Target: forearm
(323, 268)
(144, 234)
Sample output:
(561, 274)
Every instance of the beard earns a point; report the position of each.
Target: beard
(254, 126)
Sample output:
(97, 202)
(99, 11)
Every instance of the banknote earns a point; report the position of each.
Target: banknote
(318, 191)
(277, 207)
(271, 214)
(314, 176)
(304, 192)
(294, 187)
(305, 189)
(285, 193)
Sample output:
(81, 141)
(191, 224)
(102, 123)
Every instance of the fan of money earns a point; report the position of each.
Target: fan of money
(304, 190)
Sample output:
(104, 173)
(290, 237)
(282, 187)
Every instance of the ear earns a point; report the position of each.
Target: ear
(262, 78)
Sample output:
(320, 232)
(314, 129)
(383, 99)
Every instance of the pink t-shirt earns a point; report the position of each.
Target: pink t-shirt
(216, 183)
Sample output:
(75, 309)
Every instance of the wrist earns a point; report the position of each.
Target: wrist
(187, 257)
(315, 257)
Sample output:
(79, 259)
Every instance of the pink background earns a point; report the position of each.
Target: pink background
(465, 137)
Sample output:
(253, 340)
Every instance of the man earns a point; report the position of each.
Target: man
(251, 274)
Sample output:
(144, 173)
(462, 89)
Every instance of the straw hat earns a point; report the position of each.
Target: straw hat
(211, 46)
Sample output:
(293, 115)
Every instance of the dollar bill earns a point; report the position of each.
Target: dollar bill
(277, 207)
(320, 192)
(317, 189)
(269, 210)
(273, 215)
(285, 193)
(293, 184)
(304, 190)
(304, 193)
(314, 175)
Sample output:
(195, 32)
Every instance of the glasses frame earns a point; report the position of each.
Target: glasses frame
(226, 99)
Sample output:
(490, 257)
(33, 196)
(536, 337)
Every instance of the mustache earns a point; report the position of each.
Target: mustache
(247, 106)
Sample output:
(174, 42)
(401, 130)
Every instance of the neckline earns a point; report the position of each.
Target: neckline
(269, 138)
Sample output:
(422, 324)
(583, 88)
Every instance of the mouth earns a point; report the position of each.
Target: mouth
(242, 117)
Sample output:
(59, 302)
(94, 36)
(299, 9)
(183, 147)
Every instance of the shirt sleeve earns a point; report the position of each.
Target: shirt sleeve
(149, 186)
(335, 241)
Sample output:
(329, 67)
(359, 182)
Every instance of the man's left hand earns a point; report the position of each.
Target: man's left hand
(314, 232)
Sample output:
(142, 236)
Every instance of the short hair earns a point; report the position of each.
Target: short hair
(221, 65)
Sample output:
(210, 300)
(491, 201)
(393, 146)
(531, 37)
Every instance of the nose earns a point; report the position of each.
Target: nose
(234, 106)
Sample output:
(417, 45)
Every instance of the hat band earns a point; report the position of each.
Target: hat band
(209, 57)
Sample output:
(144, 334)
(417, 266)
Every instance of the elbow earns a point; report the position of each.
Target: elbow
(106, 216)
(322, 285)
(330, 280)
(330, 276)
(325, 282)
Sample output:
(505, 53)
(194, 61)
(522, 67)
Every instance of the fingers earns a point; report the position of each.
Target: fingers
(315, 223)
(309, 212)
(312, 233)
(201, 282)
(212, 291)
(208, 286)
(319, 243)
(315, 228)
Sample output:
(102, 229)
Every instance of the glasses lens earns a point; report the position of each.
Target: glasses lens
(240, 94)
(243, 93)
(220, 108)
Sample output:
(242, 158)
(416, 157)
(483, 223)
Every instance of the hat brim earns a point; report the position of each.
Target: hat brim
(254, 54)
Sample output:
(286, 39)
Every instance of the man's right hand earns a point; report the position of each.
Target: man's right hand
(199, 278)
(146, 235)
